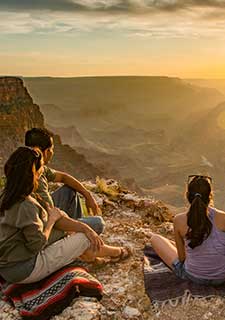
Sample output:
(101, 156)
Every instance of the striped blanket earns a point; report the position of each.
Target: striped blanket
(50, 296)
(163, 287)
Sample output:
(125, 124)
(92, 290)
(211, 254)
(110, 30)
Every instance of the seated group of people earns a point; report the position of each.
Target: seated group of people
(42, 232)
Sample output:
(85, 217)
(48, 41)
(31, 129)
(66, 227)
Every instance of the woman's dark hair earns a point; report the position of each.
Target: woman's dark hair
(199, 224)
(39, 137)
(20, 176)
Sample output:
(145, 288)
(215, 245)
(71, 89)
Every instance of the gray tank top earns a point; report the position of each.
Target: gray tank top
(207, 261)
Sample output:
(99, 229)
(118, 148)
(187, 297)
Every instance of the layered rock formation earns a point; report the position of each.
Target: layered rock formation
(18, 113)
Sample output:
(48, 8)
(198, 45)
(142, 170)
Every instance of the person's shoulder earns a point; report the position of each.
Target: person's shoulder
(21, 210)
(31, 208)
(15, 207)
(49, 173)
(29, 203)
(219, 218)
(45, 170)
(216, 209)
(218, 212)
(180, 218)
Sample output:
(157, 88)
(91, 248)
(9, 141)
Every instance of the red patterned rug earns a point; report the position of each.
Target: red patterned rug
(50, 296)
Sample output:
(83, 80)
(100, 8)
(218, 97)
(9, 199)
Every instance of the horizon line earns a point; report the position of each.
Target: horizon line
(111, 76)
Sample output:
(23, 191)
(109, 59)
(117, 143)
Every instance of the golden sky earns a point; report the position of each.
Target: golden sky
(113, 37)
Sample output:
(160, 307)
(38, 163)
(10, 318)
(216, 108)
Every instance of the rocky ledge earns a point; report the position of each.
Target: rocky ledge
(129, 219)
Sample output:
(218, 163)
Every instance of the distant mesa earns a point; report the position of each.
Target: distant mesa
(102, 96)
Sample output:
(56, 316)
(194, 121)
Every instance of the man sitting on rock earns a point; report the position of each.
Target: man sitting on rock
(66, 197)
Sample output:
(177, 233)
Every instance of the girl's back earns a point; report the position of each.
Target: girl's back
(207, 261)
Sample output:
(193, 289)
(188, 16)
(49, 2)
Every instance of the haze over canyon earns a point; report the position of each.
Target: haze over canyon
(148, 132)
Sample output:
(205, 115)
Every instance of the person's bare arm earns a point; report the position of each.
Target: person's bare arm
(178, 238)
(54, 214)
(70, 225)
(79, 187)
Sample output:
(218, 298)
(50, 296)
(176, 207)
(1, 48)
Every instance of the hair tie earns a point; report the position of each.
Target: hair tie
(197, 195)
(30, 148)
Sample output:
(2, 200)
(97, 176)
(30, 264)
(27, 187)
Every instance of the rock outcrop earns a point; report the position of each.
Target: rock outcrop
(18, 113)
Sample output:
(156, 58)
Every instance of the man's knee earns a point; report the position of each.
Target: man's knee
(96, 223)
(100, 224)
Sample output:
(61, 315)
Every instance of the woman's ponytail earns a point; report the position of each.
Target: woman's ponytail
(199, 224)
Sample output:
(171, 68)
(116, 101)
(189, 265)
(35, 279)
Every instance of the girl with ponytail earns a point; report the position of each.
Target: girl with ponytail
(198, 253)
(199, 224)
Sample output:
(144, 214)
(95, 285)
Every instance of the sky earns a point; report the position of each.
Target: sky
(69, 38)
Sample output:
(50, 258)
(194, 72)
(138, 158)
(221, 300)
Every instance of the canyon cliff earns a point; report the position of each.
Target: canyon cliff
(18, 113)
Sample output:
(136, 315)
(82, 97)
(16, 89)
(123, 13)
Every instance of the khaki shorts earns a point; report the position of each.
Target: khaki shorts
(58, 255)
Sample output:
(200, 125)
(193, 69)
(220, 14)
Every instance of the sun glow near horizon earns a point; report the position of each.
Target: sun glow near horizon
(70, 65)
(92, 38)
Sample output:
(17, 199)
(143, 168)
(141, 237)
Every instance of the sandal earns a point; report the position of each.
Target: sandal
(125, 253)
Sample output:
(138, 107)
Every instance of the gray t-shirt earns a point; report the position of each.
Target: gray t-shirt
(21, 231)
(43, 185)
(21, 238)
(47, 176)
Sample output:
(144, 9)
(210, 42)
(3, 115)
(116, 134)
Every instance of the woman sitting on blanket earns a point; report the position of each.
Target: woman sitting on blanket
(199, 253)
(34, 240)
